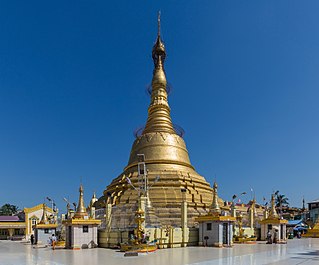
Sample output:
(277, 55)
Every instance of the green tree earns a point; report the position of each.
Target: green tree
(281, 200)
(8, 209)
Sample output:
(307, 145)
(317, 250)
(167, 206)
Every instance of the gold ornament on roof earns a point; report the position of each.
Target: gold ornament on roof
(215, 209)
(44, 219)
(80, 210)
(273, 212)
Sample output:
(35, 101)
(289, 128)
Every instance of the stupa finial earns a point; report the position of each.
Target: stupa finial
(158, 52)
(159, 24)
(44, 219)
(215, 209)
(273, 212)
(81, 210)
(159, 119)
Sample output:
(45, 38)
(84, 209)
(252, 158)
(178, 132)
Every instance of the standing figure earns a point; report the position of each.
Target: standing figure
(269, 240)
(276, 236)
(53, 241)
(32, 239)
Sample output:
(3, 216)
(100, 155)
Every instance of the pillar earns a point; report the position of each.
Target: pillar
(233, 210)
(266, 213)
(142, 204)
(184, 223)
(251, 217)
(108, 216)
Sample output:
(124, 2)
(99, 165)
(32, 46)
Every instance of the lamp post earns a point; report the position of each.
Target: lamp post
(68, 214)
(143, 185)
(53, 207)
(233, 208)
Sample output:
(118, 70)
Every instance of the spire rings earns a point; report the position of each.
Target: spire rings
(178, 130)
(168, 88)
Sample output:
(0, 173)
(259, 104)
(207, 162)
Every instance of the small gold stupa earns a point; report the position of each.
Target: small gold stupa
(166, 157)
(80, 210)
(81, 229)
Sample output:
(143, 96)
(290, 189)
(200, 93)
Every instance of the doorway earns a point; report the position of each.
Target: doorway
(225, 234)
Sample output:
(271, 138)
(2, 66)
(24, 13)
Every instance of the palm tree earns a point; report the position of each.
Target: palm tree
(281, 200)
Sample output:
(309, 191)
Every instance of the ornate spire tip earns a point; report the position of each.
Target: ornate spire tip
(159, 24)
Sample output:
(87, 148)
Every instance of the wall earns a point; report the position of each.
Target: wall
(314, 214)
(215, 234)
(43, 238)
(79, 239)
(166, 237)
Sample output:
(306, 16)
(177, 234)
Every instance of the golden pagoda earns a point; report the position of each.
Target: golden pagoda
(166, 158)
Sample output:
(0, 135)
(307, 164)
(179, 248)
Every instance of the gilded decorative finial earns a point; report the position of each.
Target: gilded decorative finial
(215, 209)
(159, 24)
(81, 210)
(159, 119)
(273, 212)
(93, 200)
(44, 219)
(158, 53)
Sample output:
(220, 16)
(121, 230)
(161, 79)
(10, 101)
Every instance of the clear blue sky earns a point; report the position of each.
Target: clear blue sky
(73, 76)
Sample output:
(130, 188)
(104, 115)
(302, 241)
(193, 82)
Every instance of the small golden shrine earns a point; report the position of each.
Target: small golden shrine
(274, 224)
(81, 230)
(44, 229)
(139, 243)
(211, 225)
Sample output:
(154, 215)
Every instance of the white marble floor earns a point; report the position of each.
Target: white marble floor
(297, 251)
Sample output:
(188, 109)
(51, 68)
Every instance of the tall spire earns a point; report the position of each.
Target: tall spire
(159, 24)
(273, 212)
(159, 119)
(215, 209)
(93, 200)
(44, 219)
(81, 210)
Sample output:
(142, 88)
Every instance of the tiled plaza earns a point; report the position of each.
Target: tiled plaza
(297, 251)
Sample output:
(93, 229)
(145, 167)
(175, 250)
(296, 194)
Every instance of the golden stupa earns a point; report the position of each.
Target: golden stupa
(166, 159)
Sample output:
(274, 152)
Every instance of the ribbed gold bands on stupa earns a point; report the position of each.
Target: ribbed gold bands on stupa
(166, 159)
(159, 119)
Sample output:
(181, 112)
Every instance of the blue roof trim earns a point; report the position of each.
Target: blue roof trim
(294, 222)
